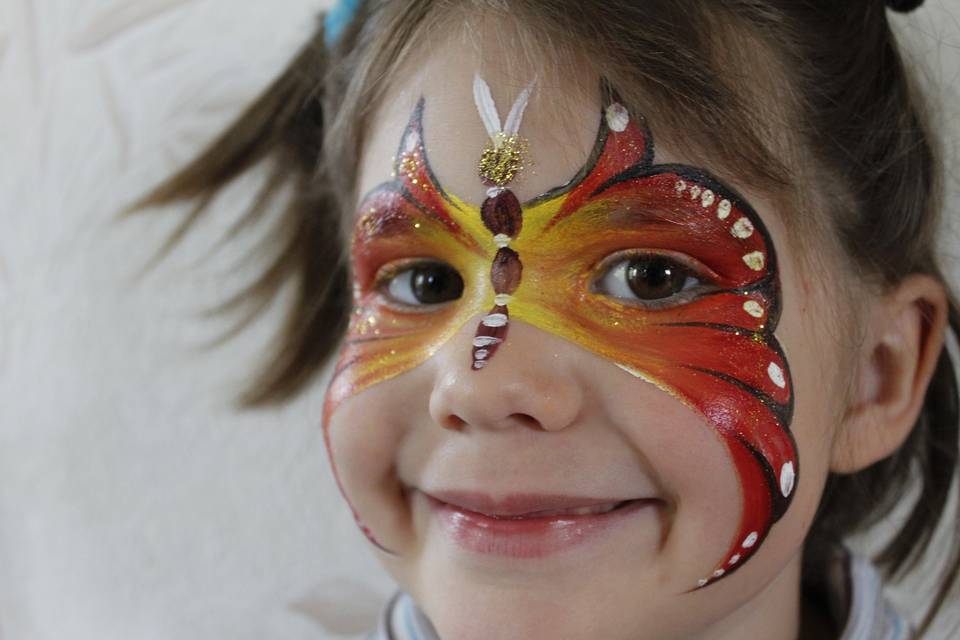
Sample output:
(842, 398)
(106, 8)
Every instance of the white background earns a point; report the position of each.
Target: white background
(135, 503)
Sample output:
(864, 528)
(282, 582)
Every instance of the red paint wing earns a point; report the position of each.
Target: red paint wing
(718, 351)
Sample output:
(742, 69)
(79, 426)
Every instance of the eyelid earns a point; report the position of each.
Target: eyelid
(706, 276)
(697, 268)
(391, 270)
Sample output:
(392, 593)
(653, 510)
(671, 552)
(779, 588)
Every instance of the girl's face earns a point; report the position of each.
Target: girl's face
(637, 336)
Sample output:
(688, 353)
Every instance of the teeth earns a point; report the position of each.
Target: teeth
(579, 511)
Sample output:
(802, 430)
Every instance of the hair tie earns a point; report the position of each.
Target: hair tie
(903, 6)
(338, 17)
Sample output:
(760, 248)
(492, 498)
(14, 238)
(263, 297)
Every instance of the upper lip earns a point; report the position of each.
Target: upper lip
(517, 504)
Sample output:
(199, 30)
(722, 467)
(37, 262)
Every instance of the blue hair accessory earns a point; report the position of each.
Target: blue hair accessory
(338, 17)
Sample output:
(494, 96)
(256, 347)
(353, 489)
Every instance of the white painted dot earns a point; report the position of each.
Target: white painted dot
(681, 186)
(479, 364)
(751, 540)
(702, 582)
(481, 354)
(617, 117)
(502, 299)
(754, 308)
(787, 477)
(754, 260)
(501, 240)
(776, 374)
(742, 228)
(695, 192)
(718, 573)
(707, 199)
(494, 320)
(486, 341)
(735, 559)
(723, 209)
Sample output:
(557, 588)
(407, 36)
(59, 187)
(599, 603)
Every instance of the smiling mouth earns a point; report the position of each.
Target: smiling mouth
(527, 505)
(529, 525)
(545, 513)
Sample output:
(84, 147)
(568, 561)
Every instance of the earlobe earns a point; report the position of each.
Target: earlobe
(903, 340)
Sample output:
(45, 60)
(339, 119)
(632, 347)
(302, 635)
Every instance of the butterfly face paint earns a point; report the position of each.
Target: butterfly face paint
(712, 348)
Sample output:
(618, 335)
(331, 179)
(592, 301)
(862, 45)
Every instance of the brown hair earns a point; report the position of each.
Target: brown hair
(830, 124)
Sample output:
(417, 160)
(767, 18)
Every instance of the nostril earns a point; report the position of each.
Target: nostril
(527, 420)
(454, 422)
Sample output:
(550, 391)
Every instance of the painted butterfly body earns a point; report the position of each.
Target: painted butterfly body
(716, 352)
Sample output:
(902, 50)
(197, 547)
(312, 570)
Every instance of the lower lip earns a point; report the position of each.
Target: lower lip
(534, 537)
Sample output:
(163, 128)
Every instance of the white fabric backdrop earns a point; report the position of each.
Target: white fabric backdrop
(134, 502)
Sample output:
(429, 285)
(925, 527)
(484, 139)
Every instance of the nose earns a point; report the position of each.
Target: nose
(530, 382)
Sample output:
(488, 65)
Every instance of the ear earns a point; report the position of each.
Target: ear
(903, 340)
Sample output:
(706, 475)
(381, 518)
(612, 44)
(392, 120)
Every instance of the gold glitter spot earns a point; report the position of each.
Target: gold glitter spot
(754, 260)
(757, 337)
(408, 165)
(503, 158)
(416, 225)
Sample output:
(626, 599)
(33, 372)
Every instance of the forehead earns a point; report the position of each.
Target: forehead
(560, 122)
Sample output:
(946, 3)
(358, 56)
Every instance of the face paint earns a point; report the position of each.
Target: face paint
(715, 351)
(501, 213)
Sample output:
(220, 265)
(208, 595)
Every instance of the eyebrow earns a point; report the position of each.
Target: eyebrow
(391, 210)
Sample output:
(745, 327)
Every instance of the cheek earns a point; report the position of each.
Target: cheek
(691, 466)
(809, 333)
(363, 435)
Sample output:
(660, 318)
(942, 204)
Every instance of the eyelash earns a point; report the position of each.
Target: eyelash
(692, 268)
(389, 272)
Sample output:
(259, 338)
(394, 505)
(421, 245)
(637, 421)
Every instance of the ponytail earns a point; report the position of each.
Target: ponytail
(283, 127)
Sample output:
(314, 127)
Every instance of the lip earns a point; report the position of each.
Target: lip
(516, 504)
(515, 526)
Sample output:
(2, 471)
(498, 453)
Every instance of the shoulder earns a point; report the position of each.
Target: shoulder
(870, 615)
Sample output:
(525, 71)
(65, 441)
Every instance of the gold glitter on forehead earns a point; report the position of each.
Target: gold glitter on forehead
(503, 158)
(407, 165)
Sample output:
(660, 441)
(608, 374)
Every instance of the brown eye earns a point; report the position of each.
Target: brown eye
(655, 277)
(425, 283)
(641, 278)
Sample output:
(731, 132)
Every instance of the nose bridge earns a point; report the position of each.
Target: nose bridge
(531, 382)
